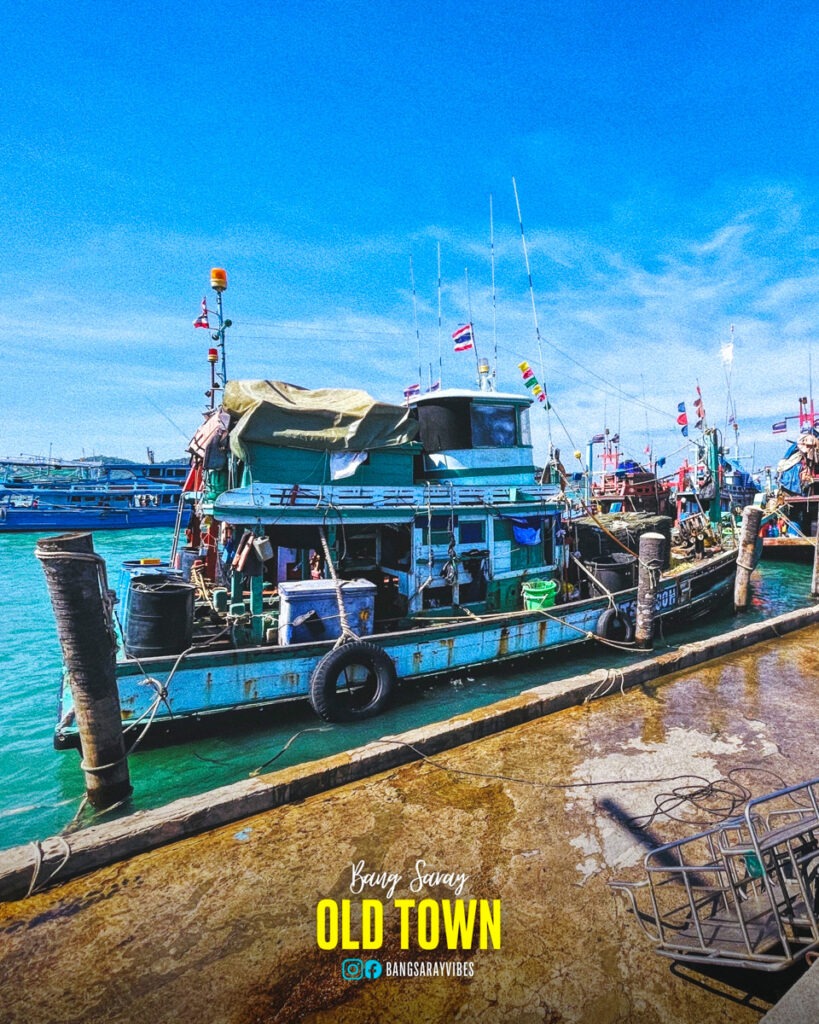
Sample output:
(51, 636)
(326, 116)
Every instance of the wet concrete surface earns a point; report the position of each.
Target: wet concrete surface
(222, 927)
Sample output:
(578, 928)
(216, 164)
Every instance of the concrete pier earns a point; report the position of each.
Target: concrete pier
(222, 926)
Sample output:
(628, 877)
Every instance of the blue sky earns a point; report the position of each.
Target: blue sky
(665, 155)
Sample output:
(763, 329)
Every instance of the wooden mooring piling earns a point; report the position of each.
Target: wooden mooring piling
(651, 557)
(748, 554)
(78, 588)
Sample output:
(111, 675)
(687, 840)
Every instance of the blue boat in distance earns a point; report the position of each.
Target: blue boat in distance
(38, 495)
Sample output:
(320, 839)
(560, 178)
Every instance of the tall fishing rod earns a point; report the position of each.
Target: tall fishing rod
(494, 304)
(534, 312)
(415, 317)
(549, 408)
(440, 325)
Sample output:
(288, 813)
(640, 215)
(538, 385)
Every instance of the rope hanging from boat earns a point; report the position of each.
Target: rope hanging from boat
(594, 580)
(589, 635)
(347, 633)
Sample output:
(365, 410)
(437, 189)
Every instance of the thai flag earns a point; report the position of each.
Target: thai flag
(463, 338)
(780, 427)
(412, 391)
(202, 319)
(598, 439)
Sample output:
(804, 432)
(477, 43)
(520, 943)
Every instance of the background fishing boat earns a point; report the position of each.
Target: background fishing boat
(45, 495)
(795, 494)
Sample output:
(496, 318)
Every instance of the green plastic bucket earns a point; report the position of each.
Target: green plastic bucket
(539, 594)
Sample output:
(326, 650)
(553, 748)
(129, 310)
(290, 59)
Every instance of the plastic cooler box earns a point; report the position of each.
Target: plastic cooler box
(308, 609)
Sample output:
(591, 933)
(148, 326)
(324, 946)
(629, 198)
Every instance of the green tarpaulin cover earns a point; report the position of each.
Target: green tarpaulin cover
(327, 419)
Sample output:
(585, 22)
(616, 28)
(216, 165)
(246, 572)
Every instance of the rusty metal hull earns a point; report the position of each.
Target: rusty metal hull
(211, 682)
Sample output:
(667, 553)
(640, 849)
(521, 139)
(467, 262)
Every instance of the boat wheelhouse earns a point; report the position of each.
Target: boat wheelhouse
(627, 486)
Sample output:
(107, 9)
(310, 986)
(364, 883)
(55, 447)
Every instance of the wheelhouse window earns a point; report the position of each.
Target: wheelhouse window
(494, 426)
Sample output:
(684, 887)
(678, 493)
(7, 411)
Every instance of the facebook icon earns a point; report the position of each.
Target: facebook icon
(373, 969)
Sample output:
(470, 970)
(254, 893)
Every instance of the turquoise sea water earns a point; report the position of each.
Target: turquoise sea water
(41, 789)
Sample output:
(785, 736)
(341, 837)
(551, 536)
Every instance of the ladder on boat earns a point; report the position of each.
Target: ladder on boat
(742, 894)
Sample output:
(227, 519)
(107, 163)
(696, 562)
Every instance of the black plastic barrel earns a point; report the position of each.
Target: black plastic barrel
(160, 616)
(615, 571)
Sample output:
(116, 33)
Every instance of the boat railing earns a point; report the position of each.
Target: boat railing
(301, 496)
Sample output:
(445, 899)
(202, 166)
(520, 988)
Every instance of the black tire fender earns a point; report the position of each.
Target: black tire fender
(335, 705)
(615, 624)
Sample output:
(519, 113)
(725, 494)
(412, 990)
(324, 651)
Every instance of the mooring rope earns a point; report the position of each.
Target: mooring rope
(346, 631)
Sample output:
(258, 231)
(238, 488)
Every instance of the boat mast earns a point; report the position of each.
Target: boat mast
(218, 282)
(472, 327)
(440, 325)
(712, 455)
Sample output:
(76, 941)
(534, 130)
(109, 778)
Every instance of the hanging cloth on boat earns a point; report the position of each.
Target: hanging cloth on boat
(344, 464)
(527, 530)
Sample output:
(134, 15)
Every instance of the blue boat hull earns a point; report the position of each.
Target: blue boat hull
(204, 683)
(41, 520)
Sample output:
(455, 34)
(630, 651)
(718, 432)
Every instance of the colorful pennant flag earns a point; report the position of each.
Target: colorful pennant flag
(531, 382)
(202, 319)
(463, 338)
(698, 405)
(682, 419)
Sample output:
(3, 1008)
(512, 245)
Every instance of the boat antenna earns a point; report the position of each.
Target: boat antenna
(471, 325)
(440, 328)
(415, 318)
(727, 355)
(218, 282)
(494, 304)
(534, 308)
(649, 446)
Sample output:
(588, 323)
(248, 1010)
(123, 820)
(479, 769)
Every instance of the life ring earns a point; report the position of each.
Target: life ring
(352, 682)
(614, 624)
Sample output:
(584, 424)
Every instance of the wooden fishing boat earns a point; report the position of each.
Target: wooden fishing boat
(339, 545)
(791, 533)
(626, 486)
